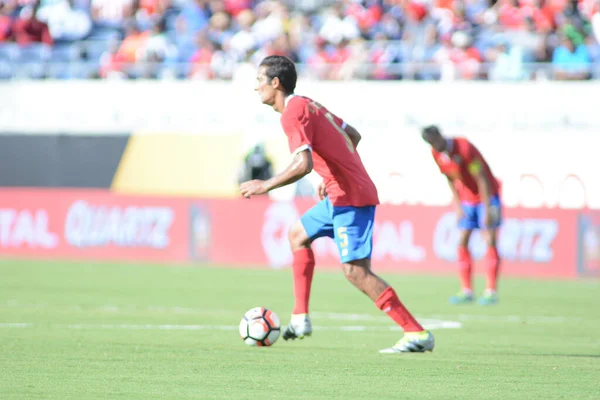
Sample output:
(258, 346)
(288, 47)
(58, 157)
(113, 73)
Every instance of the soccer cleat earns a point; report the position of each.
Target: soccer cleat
(298, 328)
(412, 342)
(488, 298)
(462, 297)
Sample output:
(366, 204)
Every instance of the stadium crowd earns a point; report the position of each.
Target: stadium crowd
(368, 39)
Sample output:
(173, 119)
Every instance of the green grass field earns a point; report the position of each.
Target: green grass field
(86, 331)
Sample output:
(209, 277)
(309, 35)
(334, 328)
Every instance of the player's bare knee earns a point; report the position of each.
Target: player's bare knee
(350, 271)
(355, 273)
(464, 238)
(297, 236)
(492, 237)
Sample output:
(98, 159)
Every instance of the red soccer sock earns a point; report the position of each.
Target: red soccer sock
(464, 268)
(303, 268)
(389, 303)
(493, 268)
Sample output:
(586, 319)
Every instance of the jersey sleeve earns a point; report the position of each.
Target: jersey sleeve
(436, 159)
(299, 137)
(339, 122)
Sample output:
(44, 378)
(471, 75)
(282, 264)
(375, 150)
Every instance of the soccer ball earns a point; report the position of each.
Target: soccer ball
(259, 327)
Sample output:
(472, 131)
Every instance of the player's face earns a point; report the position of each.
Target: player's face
(438, 142)
(264, 87)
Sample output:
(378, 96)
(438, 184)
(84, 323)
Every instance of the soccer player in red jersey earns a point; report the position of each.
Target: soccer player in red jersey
(476, 195)
(318, 139)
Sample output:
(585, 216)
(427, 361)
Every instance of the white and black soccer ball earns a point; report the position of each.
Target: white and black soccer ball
(260, 327)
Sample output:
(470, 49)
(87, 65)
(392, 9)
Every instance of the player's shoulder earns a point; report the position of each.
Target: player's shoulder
(298, 101)
(295, 107)
(461, 143)
(460, 140)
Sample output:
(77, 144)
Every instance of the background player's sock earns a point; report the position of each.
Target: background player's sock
(389, 303)
(303, 268)
(493, 268)
(464, 268)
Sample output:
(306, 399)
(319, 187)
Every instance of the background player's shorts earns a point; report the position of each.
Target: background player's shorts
(350, 227)
(474, 215)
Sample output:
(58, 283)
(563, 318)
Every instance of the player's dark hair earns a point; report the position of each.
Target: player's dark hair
(431, 130)
(283, 68)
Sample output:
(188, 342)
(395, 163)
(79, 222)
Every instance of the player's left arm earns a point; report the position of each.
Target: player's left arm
(300, 166)
(476, 169)
(484, 185)
(352, 133)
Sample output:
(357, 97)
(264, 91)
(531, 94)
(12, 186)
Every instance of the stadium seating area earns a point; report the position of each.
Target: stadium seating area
(350, 39)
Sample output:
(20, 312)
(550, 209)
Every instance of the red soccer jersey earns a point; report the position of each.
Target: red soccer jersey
(458, 163)
(309, 125)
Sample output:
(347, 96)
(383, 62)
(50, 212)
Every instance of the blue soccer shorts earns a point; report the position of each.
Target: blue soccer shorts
(474, 215)
(350, 227)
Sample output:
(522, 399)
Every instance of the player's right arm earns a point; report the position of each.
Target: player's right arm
(300, 144)
(300, 166)
(451, 185)
(455, 198)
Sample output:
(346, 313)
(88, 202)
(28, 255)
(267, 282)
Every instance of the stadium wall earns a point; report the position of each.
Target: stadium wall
(100, 225)
(60, 160)
(188, 138)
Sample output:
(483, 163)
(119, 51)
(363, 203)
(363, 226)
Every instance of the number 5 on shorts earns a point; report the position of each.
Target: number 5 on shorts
(343, 240)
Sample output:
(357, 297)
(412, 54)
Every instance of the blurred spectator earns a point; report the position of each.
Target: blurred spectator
(388, 26)
(570, 61)
(194, 17)
(132, 47)
(156, 51)
(245, 71)
(594, 50)
(27, 29)
(235, 7)
(336, 28)
(201, 60)
(466, 58)
(68, 20)
(318, 63)
(151, 11)
(243, 41)
(110, 63)
(595, 21)
(340, 55)
(6, 22)
(507, 62)
(510, 14)
(224, 61)
(157, 47)
(270, 19)
(430, 54)
(347, 39)
(381, 56)
(219, 28)
(112, 13)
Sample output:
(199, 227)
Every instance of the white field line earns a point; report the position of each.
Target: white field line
(115, 309)
(15, 325)
(459, 317)
(352, 328)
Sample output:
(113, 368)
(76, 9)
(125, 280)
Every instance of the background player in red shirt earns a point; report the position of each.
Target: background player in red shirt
(346, 212)
(476, 194)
